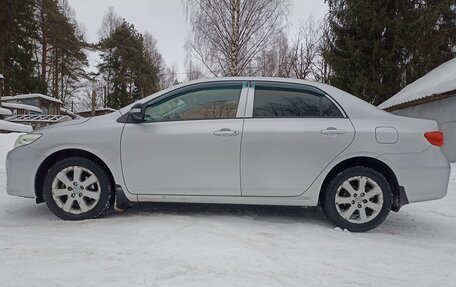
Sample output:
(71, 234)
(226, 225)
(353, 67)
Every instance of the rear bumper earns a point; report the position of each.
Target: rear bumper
(424, 176)
(21, 166)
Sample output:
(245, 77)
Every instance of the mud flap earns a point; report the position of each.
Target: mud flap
(121, 202)
(399, 200)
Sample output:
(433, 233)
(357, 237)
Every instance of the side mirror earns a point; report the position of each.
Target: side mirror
(137, 113)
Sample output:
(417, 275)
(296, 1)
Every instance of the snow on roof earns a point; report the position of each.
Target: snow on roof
(440, 80)
(68, 112)
(5, 112)
(99, 110)
(13, 127)
(31, 96)
(22, 107)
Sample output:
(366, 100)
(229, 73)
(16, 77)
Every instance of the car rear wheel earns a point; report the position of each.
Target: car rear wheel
(77, 188)
(357, 199)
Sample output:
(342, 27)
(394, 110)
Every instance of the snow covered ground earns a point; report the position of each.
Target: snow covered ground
(213, 245)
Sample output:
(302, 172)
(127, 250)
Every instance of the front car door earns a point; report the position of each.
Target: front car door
(188, 144)
(291, 132)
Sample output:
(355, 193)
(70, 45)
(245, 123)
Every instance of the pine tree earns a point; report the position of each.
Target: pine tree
(378, 47)
(429, 36)
(362, 53)
(133, 74)
(62, 49)
(18, 34)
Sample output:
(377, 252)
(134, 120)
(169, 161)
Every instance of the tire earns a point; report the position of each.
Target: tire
(351, 207)
(68, 198)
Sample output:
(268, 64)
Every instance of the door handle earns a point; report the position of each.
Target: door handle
(332, 131)
(226, 133)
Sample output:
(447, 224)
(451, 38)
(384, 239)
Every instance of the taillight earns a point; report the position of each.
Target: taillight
(435, 138)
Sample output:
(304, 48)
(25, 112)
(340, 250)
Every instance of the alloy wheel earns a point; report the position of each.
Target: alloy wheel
(359, 199)
(76, 190)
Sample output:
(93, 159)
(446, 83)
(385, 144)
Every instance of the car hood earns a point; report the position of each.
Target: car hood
(64, 124)
(82, 124)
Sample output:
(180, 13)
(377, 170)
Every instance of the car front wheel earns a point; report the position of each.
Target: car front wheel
(357, 199)
(77, 188)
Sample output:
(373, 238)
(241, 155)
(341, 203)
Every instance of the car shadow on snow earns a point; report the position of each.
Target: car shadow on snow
(257, 212)
(397, 224)
(401, 224)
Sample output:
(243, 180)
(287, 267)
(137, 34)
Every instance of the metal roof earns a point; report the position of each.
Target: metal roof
(39, 118)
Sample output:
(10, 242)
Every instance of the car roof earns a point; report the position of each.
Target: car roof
(254, 79)
(352, 105)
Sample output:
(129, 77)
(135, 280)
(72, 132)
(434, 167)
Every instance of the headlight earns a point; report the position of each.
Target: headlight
(26, 139)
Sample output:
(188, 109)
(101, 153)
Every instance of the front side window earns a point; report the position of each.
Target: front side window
(273, 102)
(197, 104)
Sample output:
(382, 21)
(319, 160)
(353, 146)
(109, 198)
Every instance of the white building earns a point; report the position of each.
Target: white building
(431, 97)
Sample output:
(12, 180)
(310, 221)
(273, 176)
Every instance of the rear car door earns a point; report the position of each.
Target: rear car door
(188, 144)
(291, 132)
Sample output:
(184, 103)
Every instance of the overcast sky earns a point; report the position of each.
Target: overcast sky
(165, 20)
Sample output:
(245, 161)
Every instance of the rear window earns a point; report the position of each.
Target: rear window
(273, 102)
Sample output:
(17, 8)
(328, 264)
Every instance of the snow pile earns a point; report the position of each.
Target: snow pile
(5, 112)
(440, 80)
(13, 127)
(219, 245)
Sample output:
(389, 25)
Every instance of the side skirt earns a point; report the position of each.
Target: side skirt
(290, 201)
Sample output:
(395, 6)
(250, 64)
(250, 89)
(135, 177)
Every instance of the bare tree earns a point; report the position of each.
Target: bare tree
(304, 50)
(194, 71)
(84, 100)
(227, 35)
(275, 61)
(169, 77)
(322, 69)
(111, 20)
(152, 53)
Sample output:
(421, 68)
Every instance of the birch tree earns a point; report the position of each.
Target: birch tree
(276, 60)
(227, 35)
(111, 21)
(193, 71)
(305, 50)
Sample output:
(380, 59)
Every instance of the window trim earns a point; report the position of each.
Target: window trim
(197, 86)
(304, 87)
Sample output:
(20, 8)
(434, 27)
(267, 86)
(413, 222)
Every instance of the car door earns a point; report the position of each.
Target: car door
(188, 144)
(291, 132)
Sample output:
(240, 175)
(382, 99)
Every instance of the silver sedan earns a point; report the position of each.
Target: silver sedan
(236, 141)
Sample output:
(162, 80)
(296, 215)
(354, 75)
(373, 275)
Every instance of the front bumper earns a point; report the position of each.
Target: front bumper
(424, 176)
(22, 164)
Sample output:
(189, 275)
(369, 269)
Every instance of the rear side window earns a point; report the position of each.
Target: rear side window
(283, 102)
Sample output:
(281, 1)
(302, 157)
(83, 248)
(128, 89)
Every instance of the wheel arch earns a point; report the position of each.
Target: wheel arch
(58, 155)
(370, 162)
